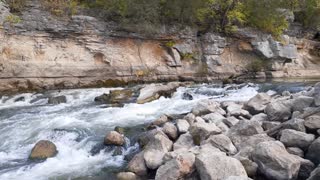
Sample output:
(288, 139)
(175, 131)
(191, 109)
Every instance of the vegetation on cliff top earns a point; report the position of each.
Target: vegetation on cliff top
(225, 16)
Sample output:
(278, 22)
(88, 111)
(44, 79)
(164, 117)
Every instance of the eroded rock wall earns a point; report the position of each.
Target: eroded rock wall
(44, 52)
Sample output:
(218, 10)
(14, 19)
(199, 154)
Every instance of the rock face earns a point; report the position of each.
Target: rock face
(43, 150)
(114, 138)
(217, 166)
(275, 162)
(293, 138)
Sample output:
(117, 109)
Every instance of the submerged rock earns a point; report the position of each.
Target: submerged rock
(57, 100)
(115, 97)
(42, 150)
(114, 138)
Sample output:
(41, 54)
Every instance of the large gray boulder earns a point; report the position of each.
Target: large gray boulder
(201, 131)
(176, 168)
(216, 166)
(137, 165)
(236, 110)
(170, 130)
(317, 94)
(155, 150)
(258, 103)
(293, 138)
(312, 122)
(182, 126)
(221, 142)
(295, 151)
(185, 141)
(244, 128)
(207, 106)
(306, 167)
(213, 117)
(250, 166)
(302, 102)
(278, 111)
(275, 162)
(313, 153)
(315, 174)
(154, 91)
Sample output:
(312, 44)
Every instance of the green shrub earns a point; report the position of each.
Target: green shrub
(170, 44)
(256, 66)
(13, 19)
(16, 6)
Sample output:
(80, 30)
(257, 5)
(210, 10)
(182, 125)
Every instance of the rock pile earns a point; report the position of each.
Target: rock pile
(268, 137)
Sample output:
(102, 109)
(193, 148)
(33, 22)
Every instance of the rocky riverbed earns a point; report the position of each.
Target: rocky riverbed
(163, 131)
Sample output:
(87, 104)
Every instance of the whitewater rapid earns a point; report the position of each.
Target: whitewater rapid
(79, 126)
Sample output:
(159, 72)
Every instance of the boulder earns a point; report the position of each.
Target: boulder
(153, 158)
(114, 138)
(237, 178)
(296, 124)
(275, 162)
(258, 103)
(247, 144)
(201, 131)
(42, 150)
(190, 118)
(115, 97)
(315, 174)
(295, 151)
(177, 168)
(154, 91)
(216, 166)
(160, 121)
(317, 94)
(261, 117)
(250, 166)
(302, 102)
(155, 150)
(213, 117)
(57, 100)
(236, 110)
(137, 165)
(278, 111)
(207, 106)
(127, 176)
(313, 153)
(185, 141)
(267, 125)
(306, 167)
(170, 130)
(221, 142)
(293, 138)
(182, 126)
(230, 121)
(146, 137)
(246, 128)
(312, 122)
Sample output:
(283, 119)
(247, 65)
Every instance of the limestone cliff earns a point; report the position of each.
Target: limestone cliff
(44, 52)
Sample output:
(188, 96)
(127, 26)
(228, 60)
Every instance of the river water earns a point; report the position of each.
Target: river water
(79, 126)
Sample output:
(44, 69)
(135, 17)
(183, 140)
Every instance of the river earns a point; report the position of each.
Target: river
(79, 126)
